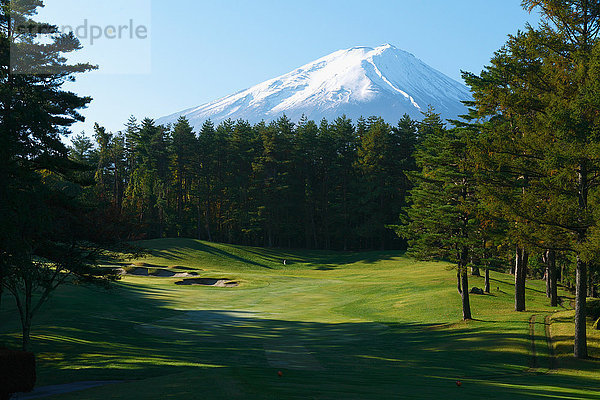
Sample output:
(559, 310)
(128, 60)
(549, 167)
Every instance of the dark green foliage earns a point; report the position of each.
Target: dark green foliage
(331, 185)
(183, 153)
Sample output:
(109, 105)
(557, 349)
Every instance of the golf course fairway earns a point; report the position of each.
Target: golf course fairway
(299, 324)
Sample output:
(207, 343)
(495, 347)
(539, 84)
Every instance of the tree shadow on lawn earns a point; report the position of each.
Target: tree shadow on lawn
(136, 337)
(179, 251)
(323, 258)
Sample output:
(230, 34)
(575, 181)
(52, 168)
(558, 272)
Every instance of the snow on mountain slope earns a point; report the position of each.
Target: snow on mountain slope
(361, 81)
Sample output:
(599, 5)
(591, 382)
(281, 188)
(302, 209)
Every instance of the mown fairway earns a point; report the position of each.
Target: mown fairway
(338, 325)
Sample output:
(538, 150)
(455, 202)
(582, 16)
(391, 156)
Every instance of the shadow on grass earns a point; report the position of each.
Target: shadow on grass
(323, 258)
(129, 334)
(178, 249)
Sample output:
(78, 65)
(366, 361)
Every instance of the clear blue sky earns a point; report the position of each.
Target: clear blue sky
(203, 50)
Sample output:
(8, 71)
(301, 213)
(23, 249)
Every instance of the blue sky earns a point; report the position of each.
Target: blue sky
(198, 50)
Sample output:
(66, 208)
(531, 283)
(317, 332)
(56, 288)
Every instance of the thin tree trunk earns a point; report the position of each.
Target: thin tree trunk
(552, 277)
(545, 261)
(466, 306)
(307, 217)
(589, 285)
(513, 266)
(199, 222)
(25, 313)
(26, 338)
(314, 230)
(207, 226)
(580, 343)
(346, 224)
(458, 283)
(487, 280)
(520, 277)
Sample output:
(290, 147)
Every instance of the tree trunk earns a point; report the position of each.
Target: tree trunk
(199, 222)
(589, 284)
(269, 237)
(520, 277)
(25, 312)
(551, 279)
(26, 337)
(545, 261)
(487, 280)
(513, 266)
(458, 284)
(580, 344)
(475, 271)
(466, 306)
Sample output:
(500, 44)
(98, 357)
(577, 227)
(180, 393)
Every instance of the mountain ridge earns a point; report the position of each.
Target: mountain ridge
(359, 81)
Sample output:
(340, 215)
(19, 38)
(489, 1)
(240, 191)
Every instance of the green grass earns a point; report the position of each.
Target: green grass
(338, 325)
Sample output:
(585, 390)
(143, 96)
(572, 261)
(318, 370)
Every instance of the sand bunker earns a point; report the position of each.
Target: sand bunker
(208, 282)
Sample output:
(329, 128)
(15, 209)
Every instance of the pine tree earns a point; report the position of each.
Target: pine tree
(206, 185)
(442, 223)
(242, 149)
(384, 157)
(307, 151)
(183, 151)
(81, 149)
(344, 146)
(273, 169)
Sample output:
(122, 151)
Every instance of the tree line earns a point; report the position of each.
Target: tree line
(331, 185)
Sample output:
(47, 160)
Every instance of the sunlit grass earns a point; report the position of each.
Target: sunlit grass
(366, 325)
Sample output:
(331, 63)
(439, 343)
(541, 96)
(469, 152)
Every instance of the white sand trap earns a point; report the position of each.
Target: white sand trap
(224, 283)
(290, 354)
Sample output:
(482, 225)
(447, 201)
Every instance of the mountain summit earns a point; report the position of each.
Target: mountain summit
(361, 81)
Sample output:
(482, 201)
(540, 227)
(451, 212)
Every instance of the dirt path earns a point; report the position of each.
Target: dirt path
(46, 391)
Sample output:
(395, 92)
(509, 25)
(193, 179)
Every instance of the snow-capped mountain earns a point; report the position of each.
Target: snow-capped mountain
(361, 81)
